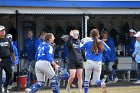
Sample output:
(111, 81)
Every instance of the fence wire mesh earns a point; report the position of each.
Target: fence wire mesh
(118, 27)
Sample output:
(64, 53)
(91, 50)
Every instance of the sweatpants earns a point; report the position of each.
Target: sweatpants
(6, 65)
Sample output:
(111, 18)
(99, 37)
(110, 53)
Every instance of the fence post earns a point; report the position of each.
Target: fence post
(17, 18)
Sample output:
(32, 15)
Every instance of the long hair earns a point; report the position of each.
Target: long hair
(97, 46)
(48, 36)
(42, 35)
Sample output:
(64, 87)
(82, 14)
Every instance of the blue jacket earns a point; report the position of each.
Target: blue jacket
(65, 52)
(109, 56)
(16, 54)
(29, 48)
(137, 52)
(92, 56)
(131, 46)
(44, 52)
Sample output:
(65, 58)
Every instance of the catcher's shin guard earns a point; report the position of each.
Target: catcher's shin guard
(86, 85)
(34, 88)
(55, 85)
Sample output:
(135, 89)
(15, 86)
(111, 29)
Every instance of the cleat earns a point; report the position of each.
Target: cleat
(6, 91)
(73, 85)
(2, 89)
(27, 90)
(103, 86)
(68, 89)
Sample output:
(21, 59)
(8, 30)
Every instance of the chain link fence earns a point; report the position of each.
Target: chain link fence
(60, 25)
(117, 25)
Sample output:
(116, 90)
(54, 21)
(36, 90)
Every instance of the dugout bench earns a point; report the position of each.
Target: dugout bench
(125, 67)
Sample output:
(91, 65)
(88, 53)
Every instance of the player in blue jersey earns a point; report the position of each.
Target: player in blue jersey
(109, 58)
(94, 52)
(40, 39)
(44, 57)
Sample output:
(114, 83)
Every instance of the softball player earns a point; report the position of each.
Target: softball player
(44, 57)
(94, 51)
(40, 39)
(109, 58)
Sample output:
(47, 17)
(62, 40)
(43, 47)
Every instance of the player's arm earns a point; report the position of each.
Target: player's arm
(16, 54)
(13, 56)
(68, 43)
(12, 51)
(0, 59)
(49, 51)
(55, 65)
(106, 47)
(83, 46)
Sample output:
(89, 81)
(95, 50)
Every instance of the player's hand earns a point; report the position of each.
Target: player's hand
(56, 67)
(71, 33)
(0, 59)
(133, 55)
(103, 40)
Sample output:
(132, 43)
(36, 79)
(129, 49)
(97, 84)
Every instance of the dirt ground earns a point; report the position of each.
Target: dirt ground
(129, 89)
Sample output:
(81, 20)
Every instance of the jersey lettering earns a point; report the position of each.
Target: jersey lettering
(4, 44)
(50, 50)
(41, 51)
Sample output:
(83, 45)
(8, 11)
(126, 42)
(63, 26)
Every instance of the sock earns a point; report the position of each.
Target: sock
(55, 85)
(86, 85)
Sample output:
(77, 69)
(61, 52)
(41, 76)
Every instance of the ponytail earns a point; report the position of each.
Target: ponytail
(97, 46)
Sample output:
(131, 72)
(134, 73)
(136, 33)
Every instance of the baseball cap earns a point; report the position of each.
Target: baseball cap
(2, 27)
(137, 34)
(64, 36)
(132, 30)
(9, 36)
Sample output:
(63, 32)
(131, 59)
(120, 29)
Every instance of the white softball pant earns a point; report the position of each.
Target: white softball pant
(95, 67)
(43, 68)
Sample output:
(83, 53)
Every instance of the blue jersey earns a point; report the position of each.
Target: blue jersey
(110, 56)
(16, 54)
(44, 52)
(131, 46)
(38, 42)
(15, 43)
(92, 56)
(137, 51)
(29, 48)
